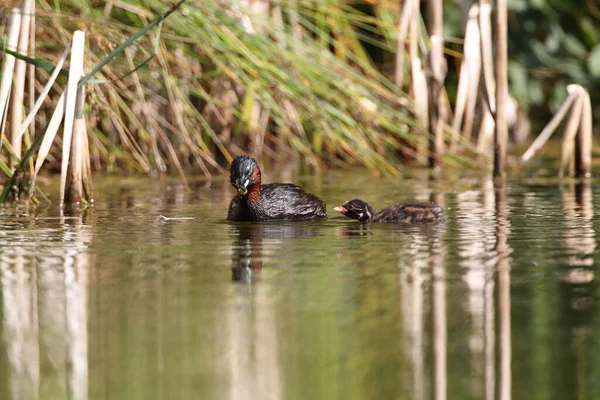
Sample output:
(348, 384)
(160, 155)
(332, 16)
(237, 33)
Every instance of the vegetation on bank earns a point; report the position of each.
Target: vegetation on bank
(222, 84)
(304, 77)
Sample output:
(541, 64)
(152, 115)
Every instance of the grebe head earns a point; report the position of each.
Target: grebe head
(357, 209)
(244, 174)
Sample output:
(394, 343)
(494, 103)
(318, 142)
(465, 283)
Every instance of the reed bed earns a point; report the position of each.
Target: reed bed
(216, 79)
(576, 150)
(224, 83)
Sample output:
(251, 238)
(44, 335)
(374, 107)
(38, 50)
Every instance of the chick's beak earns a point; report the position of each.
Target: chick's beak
(341, 209)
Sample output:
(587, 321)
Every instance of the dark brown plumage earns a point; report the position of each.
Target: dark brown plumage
(272, 202)
(413, 212)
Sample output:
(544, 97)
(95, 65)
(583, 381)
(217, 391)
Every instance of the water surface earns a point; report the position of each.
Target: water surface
(119, 303)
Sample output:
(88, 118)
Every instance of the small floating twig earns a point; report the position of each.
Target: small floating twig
(163, 218)
(53, 218)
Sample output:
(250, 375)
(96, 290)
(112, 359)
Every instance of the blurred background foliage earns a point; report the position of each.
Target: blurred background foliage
(551, 44)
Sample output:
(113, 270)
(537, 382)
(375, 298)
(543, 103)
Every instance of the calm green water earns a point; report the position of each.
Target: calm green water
(500, 302)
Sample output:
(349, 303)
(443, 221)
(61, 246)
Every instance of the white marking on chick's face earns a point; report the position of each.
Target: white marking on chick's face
(246, 183)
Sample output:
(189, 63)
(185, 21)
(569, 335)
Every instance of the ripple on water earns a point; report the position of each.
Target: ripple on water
(322, 309)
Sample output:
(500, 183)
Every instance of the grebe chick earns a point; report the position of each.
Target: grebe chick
(413, 212)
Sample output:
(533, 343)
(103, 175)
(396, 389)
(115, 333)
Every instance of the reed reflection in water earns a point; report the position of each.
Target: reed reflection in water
(579, 275)
(44, 308)
(126, 305)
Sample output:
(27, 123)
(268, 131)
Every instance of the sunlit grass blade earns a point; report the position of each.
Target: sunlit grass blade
(129, 42)
(38, 62)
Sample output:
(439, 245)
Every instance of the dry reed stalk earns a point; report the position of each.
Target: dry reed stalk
(403, 24)
(437, 74)
(125, 135)
(74, 191)
(150, 127)
(571, 128)
(108, 8)
(583, 151)
(31, 71)
(178, 111)
(277, 16)
(75, 74)
(34, 109)
(295, 23)
(501, 132)
(419, 82)
(254, 128)
(114, 105)
(485, 28)
(419, 87)
(461, 101)
(486, 132)
(254, 15)
(578, 128)
(475, 72)
(260, 13)
(8, 64)
(468, 84)
(50, 134)
(18, 91)
(88, 192)
(551, 126)
(262, 125)
(293, 119)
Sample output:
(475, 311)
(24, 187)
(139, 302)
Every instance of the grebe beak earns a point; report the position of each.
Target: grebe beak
(341, 209)
(242, 189)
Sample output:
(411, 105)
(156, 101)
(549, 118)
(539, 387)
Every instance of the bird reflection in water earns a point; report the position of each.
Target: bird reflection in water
(356, 230)
(246, 258)
(249, 238)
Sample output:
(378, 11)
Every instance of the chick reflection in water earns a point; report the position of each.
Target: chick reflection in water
(253, 241)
